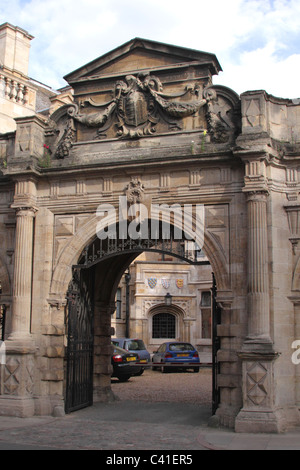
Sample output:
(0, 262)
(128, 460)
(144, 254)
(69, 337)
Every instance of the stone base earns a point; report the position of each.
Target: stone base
(49, 406)
(292, 414)
(225, 416)
(104, 395)
(262, 421)
(18, 407)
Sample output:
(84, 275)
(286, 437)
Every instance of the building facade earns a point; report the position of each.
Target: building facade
(164, 299)
(146, 122)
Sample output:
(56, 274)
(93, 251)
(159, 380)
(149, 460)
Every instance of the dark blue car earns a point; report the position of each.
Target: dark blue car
(173, 355)
(136, 346)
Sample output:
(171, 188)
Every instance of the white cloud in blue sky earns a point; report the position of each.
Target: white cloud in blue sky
(257, 42)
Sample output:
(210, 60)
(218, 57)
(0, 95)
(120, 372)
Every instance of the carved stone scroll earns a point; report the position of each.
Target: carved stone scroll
(140, 107)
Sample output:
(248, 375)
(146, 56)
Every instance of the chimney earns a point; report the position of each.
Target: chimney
(14, 49)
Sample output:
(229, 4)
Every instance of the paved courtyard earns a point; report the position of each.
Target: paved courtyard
(154, 412)
(172, 387)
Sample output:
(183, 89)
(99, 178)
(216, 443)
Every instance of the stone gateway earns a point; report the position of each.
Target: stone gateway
(146, 122)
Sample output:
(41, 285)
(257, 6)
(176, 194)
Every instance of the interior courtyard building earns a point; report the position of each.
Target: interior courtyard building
(145, 124)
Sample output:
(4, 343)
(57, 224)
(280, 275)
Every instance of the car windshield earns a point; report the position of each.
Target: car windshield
(181, 347)
(135, 345)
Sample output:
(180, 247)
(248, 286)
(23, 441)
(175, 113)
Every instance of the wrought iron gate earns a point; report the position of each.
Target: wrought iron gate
(216, 320)
(2, 322)
(79, 382)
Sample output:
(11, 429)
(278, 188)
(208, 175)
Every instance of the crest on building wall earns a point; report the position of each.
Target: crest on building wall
(166, 283)
(152, 281)
(138, 105)
(179, 283)
(144, 89)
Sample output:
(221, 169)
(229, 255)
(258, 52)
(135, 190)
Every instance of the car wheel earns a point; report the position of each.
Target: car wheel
(124, 378)
(164, 369)
(139, 373)
(196, 369)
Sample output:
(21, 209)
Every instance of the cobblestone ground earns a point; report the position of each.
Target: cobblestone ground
(152, 411)
(173, 387)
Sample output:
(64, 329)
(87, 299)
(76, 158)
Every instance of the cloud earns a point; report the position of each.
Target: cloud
(261, 69)
(256, 41)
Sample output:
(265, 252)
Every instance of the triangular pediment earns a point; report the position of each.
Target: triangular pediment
(142, 54)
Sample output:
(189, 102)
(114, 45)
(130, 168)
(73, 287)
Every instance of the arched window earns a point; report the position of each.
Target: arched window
(164, 325)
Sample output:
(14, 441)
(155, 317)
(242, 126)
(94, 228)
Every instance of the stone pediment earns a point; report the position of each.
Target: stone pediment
(145, 89)
(142, 54)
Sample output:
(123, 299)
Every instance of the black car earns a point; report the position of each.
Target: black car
(124, 364)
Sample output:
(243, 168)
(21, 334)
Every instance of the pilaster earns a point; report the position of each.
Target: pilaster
(22, 282)
(258, 276)
(18, 376)
(259, 412)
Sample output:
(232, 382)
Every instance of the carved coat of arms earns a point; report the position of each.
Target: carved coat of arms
(138, 105)
(152, 281)
(179, 283)
(165, 283)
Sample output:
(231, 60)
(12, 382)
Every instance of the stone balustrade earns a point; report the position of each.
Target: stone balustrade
(14, 90)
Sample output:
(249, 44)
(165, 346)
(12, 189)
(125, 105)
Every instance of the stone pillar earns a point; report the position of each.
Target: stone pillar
(259, 413)
(22, 283)
(228, 379)
(19, 369)
(258, 276)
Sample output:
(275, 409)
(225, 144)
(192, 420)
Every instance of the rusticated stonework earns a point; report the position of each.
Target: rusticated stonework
(10, 376)
(257, 383)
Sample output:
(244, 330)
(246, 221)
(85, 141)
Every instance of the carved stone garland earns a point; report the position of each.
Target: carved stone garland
(139, 103)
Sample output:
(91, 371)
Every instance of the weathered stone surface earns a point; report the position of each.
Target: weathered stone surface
(145, 121)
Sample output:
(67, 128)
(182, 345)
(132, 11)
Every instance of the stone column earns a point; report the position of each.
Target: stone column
(259, 413)
(258, 276)
(22, 283)
(19, 369)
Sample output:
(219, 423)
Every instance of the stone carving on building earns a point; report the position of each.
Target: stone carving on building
(134, 191)
(66, 141)
(138, 105)
(61, 132)
(257, 390)
(221, 114)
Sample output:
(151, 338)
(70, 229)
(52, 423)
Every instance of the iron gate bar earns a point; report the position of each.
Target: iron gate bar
(80, 348)
(2, 321)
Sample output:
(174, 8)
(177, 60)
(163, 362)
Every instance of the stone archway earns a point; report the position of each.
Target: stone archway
(107, 274)
(166, 134)
(72, 251)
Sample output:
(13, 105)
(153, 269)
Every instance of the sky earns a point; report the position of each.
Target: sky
(257, 42)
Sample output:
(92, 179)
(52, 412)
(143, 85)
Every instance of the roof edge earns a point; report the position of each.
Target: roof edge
(147, 44)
